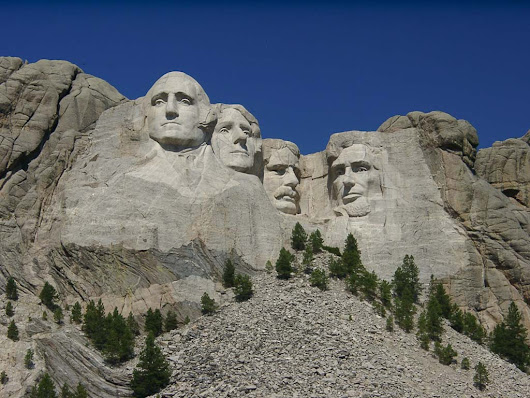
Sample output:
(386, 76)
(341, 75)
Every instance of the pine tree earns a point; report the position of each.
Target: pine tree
(171, 321)
(336, 268)
(268, 266)
(445, 354)
(11, 289)
(133, 325)
(385, 294)
(48, 296)
(152, 373)
(243, 288)
(404, 311)
(443, 300)
(3, 377)
(368, 285)
(390, 324)
(422, 334)
(154, 322)
(28, 359)
(45, 388)
(65, 391)
(481, 377)
(95, 324)
(457, 319)
(12, 331)
(508, 339)
(208, 305)
(406, 277)
(298, 237)
(351, 257)
(9, 309)
(465, 364)
(283, 264)
(119, 343)
(58, 315)
(76, 312)
(229, 274)
(473, 329)
(80, 392)
(433, 319)
(316, 241)
(319, 279)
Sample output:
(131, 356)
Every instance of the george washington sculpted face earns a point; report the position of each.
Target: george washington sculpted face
(175, 107)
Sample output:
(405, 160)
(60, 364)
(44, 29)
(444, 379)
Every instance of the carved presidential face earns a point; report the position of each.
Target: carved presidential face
(354, 180)
(233, 141)
(280, 179)
(174, 111)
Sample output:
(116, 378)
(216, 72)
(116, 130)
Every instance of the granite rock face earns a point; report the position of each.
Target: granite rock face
(140, 202)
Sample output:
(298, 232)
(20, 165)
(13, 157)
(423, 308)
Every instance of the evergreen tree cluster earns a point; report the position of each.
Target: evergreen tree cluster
(48, 296)
(152, 373)
(45, 388)
(241, 283)
(109, 333)
(508, 339)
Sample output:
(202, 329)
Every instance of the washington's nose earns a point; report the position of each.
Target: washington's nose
(171, 107)
(290, 178)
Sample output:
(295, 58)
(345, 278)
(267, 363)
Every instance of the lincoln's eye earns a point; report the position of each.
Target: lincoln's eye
(359, 169)
(340, 170)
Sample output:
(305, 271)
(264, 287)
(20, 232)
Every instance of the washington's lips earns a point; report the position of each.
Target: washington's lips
(166, 123)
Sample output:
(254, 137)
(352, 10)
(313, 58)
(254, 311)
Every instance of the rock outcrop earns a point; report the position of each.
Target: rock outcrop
(140, 202)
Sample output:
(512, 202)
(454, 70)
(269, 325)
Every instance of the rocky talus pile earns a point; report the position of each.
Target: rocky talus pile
(293, 340)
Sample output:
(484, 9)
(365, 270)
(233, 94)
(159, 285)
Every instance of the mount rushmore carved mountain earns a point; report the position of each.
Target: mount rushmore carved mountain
(140, 202)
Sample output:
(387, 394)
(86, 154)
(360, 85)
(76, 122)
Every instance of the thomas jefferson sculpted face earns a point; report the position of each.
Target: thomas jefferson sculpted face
(282, 176)
(354, 180)
(236, 138)
(175, 107)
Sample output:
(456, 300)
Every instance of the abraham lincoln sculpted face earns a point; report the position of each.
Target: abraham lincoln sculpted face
(355, 179)
(176, 109)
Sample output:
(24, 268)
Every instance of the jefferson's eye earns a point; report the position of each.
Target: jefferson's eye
(223, 130)
(247, 132)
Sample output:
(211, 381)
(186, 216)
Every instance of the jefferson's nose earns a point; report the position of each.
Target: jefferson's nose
(290, 178)
(171, 107)
(238, 136)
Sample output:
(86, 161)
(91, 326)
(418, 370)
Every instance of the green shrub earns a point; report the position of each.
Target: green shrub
(152, 372)
(3, 377)
(390, 324)
(473, 329)
(298, 237)
(404, 311)
(319, 279)
(45, 388)
(269, 267)
(481, 377)
(58, 315)
(154, 322)
(283, 264)
(229, 274)
(133, 325)
(48, 296)
(465, 364)
(171, 322)
(9, 309)
(76, 314)
(336, 268)
(316, 241)
(332, 250)
(243, 288)
(368, 285)
(208, 305)
(11, 289)
(12, 331)
(445, 354)
(28, 359)
(406, 278)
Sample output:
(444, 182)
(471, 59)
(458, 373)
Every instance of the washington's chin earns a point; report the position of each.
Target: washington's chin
(286, 205)
(174, 136)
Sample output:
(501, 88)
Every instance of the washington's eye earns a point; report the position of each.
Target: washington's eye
(185, 101)
(159, 102)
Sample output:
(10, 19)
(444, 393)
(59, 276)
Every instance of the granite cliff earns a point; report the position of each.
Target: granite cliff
(140, 202)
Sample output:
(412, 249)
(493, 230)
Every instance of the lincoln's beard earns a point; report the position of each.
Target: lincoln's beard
(357, 208)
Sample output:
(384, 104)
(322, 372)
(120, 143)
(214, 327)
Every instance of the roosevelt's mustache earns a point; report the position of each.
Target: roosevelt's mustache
(285, 191)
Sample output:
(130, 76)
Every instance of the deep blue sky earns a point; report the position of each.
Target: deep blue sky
(304, 71)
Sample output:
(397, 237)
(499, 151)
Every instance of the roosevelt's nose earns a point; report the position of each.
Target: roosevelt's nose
(290, 179)
(171, 107)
